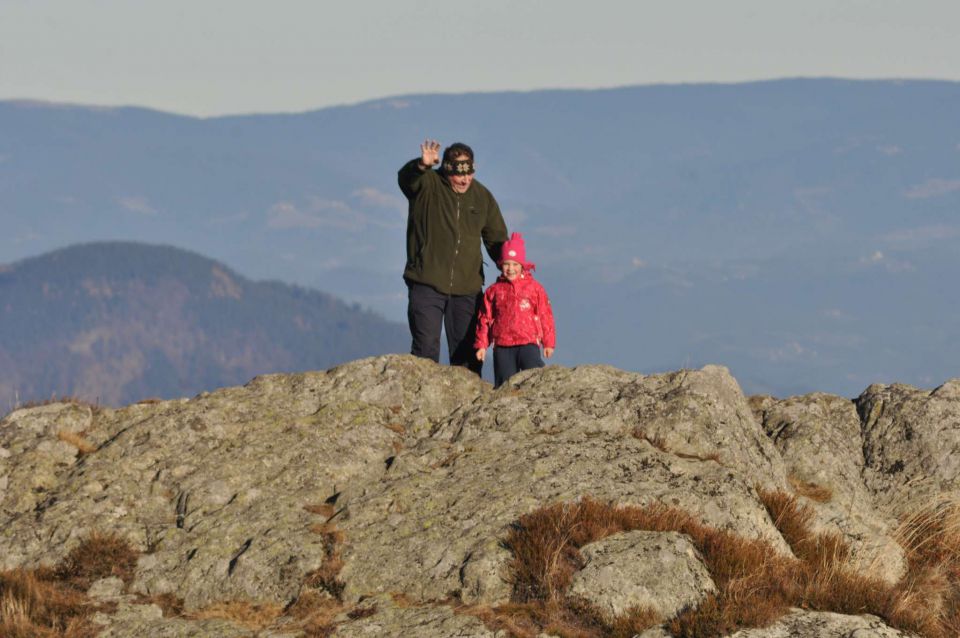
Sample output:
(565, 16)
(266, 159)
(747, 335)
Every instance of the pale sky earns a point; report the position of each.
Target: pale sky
(213, 57)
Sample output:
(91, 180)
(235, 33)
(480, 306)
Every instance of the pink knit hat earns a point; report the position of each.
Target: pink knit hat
(514, 250)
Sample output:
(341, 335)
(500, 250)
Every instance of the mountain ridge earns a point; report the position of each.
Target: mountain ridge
(122, 321)
(829, 197)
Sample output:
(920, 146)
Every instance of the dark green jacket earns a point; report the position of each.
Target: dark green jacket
(444, 230)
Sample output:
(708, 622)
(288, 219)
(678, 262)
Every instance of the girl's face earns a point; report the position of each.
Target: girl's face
(511, 269)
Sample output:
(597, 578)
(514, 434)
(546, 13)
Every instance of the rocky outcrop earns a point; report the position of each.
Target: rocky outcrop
(818, 437)
(911, 442)
(415, 472)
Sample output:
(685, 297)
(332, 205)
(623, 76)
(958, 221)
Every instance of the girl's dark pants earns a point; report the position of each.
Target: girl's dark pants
(509, 360)
(428, 310)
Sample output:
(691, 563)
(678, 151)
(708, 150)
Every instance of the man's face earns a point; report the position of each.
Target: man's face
(511, 269)
(460, 183)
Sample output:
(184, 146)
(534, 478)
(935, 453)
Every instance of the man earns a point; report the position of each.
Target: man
(449, 214)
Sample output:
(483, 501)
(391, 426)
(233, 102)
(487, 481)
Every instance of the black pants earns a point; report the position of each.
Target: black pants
(509, 360)
(428, 310)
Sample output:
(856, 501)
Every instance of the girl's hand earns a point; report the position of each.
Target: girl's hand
(548, 352)
(481, 354)
(429, 153)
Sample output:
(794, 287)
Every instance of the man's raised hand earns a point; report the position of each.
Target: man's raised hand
(429, 153)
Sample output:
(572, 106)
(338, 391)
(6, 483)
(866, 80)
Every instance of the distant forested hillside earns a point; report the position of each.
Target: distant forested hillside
(117, 322)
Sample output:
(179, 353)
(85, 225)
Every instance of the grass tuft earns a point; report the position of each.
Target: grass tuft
(52, 603)
(321, 509)
(77, 440)
(814, 492)
(252, 615)
(930, 592)
(169, 603)
(316, 612)
(99, 555)
(327, 576)
(397, 428)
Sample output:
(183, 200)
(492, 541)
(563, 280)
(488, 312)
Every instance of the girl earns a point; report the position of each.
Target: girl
(515, 316)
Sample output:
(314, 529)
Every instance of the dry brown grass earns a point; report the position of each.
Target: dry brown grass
(168, 603)
(320, 599)
(321, 509)
(33, 604)
(568, 618)
(99, 555)
(401, 599)
(252, 615)
(327, 576)
(793, 519)
(361, 612)
(924, 602)
(316, 612)
(930, 538)
(77, 440)
(756, 585)
(545, 546)
(52, 603)
(396, 427)
(814, 492)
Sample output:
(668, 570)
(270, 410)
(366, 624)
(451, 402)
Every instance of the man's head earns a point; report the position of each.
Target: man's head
(457, 166)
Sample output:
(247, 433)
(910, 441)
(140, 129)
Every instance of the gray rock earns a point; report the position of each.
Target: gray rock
(911, 442)
(423, 469)
(106, 589)
(553, 435)
(662, 571)
(483, 576)
(35, 460)
(808, 624)
(818, 436)
(214, 488)
(137, 621)
(702, 413)
(428, 621)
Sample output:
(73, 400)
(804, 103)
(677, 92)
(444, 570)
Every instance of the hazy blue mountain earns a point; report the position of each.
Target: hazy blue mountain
(803, 232)
(116, 322)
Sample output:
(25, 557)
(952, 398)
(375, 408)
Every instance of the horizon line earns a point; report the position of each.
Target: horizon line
(377, 101)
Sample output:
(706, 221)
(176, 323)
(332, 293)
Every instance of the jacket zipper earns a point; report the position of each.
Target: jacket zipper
(456, 249)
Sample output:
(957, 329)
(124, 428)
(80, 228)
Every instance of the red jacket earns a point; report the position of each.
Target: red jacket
(515, 313)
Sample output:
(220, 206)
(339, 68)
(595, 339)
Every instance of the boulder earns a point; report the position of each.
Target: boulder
(658, 570)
